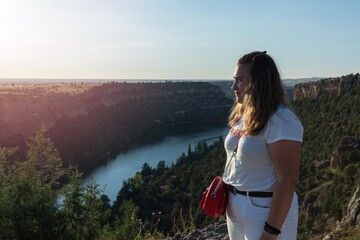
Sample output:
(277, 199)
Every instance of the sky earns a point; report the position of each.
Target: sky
(175, 39)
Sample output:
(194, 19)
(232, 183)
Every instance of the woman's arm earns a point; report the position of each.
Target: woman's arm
(285, 155)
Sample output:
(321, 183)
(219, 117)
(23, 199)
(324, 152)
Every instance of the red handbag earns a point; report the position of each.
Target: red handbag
(215, 198)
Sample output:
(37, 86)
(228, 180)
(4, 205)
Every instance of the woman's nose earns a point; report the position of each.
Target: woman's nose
(234, 86)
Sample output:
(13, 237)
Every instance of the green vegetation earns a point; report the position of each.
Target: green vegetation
(175, 191)
(39, 199)
(325, 190)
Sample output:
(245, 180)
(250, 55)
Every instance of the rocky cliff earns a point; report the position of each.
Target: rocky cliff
(353, 210)
(336, 85)
(88, 122)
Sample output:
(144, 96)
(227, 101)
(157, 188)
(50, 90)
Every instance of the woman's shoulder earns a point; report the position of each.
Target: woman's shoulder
(283, 125)
(284, 113)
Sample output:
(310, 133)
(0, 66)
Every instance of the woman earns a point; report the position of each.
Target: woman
(264, 170)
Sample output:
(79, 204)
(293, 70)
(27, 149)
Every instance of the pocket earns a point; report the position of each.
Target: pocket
(260, 202)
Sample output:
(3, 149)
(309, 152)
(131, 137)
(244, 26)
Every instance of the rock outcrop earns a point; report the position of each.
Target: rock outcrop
(337, 85)
(215, 231)
(353, 210)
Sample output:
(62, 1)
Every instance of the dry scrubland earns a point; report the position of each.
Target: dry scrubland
(46, 88)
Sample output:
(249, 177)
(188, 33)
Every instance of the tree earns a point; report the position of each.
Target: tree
(41, 200)
(189, 152)
(350, 172)
(28, 197)
(82, 208)
(146, 170)
(128, 227)
(198, 148)
(205, 147)
(161, 168)
(45, 159)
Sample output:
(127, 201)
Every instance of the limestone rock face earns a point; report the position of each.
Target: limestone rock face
(353, 210)
(337, 85)
(346, 144)
(216, 231)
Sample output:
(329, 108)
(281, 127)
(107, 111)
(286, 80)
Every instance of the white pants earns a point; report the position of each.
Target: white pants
(246, 217)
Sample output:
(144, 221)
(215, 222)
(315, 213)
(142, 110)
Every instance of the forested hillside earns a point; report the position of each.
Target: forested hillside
(89, 123)
(330, 171)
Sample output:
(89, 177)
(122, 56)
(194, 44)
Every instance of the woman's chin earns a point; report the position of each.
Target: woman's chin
(238, 100)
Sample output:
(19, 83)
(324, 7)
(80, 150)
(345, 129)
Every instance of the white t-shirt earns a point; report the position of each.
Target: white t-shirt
(251, 168)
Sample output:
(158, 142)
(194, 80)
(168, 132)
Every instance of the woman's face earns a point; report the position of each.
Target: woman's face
(242, 79)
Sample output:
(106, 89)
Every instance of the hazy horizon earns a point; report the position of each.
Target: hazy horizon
(161, 39)
(89, 80)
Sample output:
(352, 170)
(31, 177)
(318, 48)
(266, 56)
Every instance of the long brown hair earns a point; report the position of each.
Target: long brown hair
(265, 93)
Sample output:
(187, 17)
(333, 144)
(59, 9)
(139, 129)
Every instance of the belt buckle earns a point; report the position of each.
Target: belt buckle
(234, 190)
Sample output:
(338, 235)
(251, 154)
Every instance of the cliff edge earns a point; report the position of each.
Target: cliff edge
(336, 85)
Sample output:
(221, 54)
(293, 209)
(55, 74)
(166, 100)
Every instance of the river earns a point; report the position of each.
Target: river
(111, 175)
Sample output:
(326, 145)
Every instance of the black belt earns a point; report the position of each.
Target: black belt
(250, 194)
